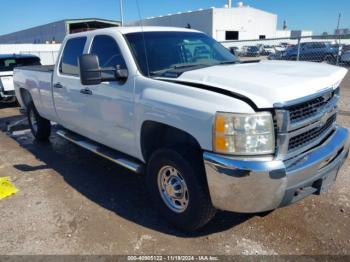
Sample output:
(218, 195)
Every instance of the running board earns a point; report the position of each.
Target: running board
(103, 151)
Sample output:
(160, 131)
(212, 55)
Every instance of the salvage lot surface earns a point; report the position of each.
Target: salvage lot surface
(74, 202)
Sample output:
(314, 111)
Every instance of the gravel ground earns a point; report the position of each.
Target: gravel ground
(74, 202)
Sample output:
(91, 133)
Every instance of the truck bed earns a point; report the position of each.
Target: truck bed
(38, 68)
(38, 81)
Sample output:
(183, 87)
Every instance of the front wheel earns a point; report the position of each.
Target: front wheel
(178, 188)
(40, 127)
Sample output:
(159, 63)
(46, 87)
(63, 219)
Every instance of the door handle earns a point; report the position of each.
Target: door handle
(86, 91)
(58, 85)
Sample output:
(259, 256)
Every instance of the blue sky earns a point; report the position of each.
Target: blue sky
(316, 15)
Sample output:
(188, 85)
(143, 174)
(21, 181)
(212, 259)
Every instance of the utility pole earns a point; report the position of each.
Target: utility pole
(121, 12)
(338, 25)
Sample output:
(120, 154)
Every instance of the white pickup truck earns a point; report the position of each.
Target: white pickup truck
(7, 64)
(207, 131)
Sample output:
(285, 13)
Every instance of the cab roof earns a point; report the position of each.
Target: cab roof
(135, 29)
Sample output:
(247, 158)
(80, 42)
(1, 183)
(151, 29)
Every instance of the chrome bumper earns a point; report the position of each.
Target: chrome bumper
(251, 186)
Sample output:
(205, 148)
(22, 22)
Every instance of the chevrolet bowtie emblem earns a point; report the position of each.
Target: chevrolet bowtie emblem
(324, 119)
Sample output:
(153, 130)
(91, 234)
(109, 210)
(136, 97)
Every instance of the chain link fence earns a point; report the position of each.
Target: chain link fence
(331, 49)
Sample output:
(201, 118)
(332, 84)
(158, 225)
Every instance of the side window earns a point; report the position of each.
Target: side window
(108, 52)
(72, 51)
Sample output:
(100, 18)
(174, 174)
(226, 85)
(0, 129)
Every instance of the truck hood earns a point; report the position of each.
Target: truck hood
(269, 82)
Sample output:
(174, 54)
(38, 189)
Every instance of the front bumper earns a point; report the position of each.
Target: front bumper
(251, 186)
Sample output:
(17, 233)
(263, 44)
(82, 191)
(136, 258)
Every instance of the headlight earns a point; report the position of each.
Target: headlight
(244, 134)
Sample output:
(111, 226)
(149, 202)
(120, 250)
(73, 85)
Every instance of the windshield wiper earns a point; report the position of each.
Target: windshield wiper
(229, 62)
(188, 65)
(177, 69)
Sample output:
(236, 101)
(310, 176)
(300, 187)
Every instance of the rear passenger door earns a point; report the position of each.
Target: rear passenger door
(67, 87)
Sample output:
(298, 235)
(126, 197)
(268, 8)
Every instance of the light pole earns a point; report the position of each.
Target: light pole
(121, 12)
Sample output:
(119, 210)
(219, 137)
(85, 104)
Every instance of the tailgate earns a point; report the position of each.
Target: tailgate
(7, 83)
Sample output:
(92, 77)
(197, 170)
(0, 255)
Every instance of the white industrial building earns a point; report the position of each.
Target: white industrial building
(44, 40)
(55, 32)
(228, 23)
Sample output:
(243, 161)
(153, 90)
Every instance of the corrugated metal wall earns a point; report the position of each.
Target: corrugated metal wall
(37, 35)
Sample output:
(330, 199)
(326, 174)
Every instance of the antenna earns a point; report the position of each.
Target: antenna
(143, 36)
(121, 12)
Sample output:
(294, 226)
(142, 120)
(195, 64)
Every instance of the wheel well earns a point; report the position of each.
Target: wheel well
(155, 135)
(26, 97)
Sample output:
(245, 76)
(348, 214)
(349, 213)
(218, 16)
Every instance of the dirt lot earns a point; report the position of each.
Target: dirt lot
(74, 202)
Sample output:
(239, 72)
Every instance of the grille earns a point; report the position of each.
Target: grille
(308, 109)
(309, 136)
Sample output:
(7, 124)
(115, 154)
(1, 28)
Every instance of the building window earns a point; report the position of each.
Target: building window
(262, 36)
(232, 35)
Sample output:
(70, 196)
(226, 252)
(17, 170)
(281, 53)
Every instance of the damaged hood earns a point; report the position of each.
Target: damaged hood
(269, 82)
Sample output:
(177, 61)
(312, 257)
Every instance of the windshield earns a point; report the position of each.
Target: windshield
(8, 64)
(181, 51)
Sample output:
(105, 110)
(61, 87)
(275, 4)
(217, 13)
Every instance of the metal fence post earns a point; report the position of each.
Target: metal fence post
(298, 53)
(338, 33)
(339, 50)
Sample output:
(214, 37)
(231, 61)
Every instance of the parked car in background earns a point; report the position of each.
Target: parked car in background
(278, 55)
(252, 51)
(312, 51)
(267, 50)
(285, 44)
(235, 50)
(7, 64)
(345, 57)
(280, 48)
(346, 48)
(243, 50)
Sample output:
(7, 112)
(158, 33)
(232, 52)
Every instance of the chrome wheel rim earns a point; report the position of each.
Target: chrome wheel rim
(33, 121)
(173, 189)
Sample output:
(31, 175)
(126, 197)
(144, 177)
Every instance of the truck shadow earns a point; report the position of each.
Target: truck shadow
(110, 186)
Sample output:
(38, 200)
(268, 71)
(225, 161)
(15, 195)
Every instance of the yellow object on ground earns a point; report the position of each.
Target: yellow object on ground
(6, 188)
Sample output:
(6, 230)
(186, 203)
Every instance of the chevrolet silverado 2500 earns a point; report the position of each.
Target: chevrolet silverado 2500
(7, 64)
(207, 131)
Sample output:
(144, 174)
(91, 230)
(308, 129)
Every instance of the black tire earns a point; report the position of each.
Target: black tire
(292, 58)
(199, 210)
(330, 60)
(42, 129)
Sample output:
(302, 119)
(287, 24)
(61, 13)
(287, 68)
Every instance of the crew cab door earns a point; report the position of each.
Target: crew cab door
(67, 88)
(108, 107)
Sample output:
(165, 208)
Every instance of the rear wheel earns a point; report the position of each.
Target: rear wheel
(40, 127)
(178, 188)
(329, 60)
